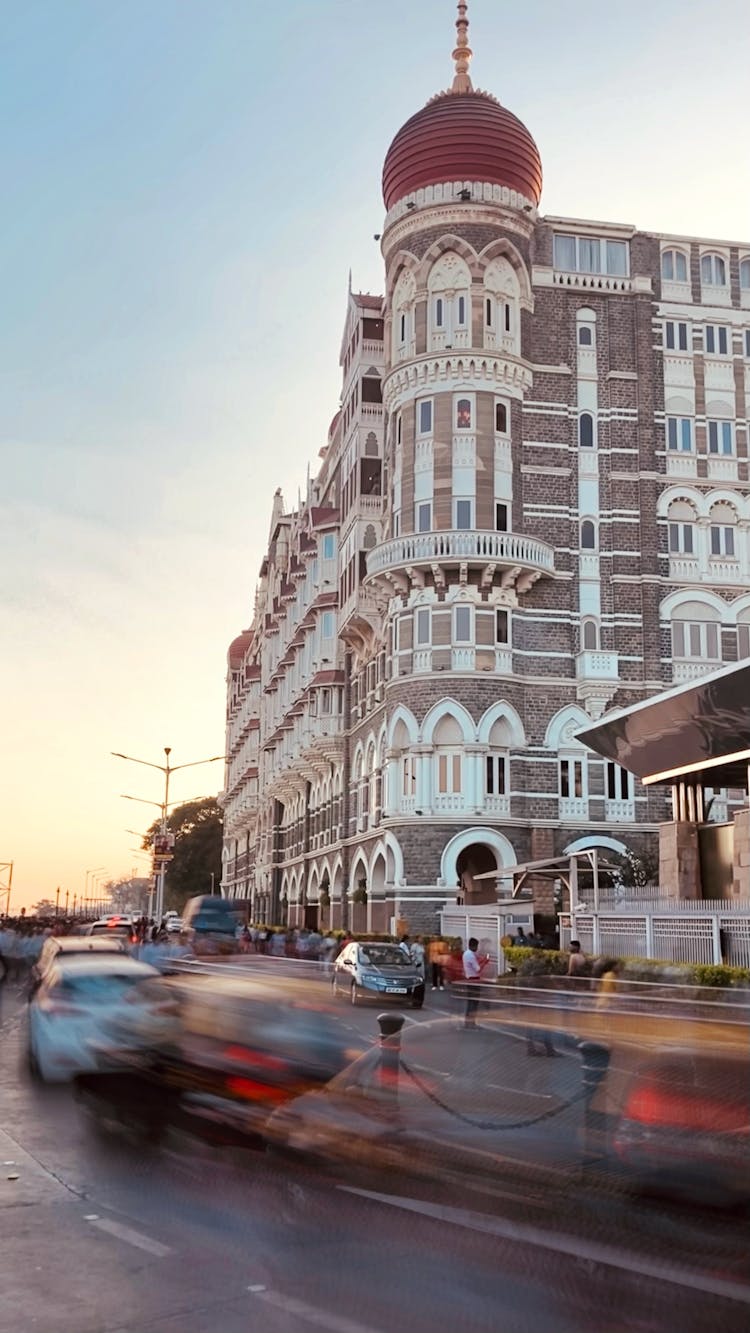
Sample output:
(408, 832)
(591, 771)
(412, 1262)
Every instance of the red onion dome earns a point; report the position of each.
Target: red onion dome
(462, 136)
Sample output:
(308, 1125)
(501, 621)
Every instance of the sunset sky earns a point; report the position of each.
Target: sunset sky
(186, 184)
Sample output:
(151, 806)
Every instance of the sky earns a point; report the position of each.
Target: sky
(186, 184)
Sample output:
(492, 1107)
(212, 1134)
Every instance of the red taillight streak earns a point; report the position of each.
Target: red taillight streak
(252, 1091)
(259, 1059)
(661, 1106)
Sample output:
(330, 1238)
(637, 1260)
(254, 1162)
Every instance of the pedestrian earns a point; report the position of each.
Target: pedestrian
(405, 944)
(577, 962)
(417, 955)
(472, 972)
(436, 952)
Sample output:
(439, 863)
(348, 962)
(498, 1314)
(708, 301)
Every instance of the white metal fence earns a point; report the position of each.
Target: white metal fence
(488, 927)
(679, 932)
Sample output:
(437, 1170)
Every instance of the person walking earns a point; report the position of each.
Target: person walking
(417, 956)
(472, 973)
(436, 956)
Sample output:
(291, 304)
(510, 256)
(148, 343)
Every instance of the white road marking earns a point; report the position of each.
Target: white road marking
(334, 1323)
(578, 1248)
(130, 1236)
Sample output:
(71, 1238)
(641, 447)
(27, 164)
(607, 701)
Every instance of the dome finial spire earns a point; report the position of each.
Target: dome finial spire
(463, 52)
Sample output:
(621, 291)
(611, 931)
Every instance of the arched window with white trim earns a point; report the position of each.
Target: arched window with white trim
(675, 266)
(722, 535)
(696, 637)
(713, 270)
(497, 769)
(590, 634)
(682, 531)
(745, 274)
(588, 535)
(449, 303)
(501, 306)
(743, 633)
(586, 433)
(448, 762)
(402, 305)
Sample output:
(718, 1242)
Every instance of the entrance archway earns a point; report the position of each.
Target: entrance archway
(474, 860)
(471, 852)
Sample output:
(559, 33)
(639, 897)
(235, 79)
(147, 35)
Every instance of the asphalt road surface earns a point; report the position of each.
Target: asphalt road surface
(96, 1237)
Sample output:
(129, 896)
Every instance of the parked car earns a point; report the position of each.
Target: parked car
(69, 1012)
(113, 927)
(377, 971)
(209, 925)
(68, 946)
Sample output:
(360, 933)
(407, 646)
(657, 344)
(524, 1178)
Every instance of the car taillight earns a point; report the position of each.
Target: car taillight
(657, 1105)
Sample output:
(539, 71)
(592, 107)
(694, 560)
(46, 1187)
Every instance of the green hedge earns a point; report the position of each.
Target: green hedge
(554, 962)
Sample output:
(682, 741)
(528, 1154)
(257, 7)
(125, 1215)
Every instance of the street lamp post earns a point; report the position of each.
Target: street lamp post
(167, 769)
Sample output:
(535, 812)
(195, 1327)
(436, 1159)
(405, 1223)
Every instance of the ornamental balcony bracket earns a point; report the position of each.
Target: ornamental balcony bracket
(512, 560)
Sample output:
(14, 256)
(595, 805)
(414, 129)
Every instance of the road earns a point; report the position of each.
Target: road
(98, 1238)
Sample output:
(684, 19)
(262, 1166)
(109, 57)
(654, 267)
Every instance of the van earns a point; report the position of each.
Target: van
(209, 924)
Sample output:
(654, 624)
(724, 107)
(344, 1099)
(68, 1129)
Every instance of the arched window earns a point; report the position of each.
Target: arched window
(501, 418)
(497, 768)
(371, 445)
(674, 266)
(723, 521)
(501, 297)
(696, 633)
(681, 528)
(586, 431)
(745, 274)
(404, 295)
(449, 287)
(588, 535)
(743, 633)
(590, 635)
(585, 336)
(713, 271)
(448, 761)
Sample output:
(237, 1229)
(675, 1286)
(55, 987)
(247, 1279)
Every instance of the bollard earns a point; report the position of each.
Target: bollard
(390, 1050)
(595, 1063)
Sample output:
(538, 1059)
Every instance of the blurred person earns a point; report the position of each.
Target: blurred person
(577, 962)
(436, 952)
(520, 939)
(472, 972)
(405, 944)
(328, 949)
(608, 971)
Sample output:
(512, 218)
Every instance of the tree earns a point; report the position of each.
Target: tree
(129, 894)
(196, 867)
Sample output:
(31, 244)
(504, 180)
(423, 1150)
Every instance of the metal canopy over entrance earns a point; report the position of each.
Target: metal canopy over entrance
(698, 732)
(565, 868)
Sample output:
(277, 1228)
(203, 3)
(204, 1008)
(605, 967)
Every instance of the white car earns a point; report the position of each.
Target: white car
(77, 1001)
(68, 946)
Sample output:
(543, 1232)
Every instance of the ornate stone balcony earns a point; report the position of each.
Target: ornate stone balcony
(519, 561)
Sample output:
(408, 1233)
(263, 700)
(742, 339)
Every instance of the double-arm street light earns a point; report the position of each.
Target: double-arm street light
(167, 769)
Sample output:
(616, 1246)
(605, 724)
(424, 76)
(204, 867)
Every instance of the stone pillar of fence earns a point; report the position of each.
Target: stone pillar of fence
(679, 859)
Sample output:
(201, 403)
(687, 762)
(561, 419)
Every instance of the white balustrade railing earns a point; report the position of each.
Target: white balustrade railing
(619, 812)
(448, 802)
(463, 659)
(422, 659)
(506, 548)
(691, 670)
(503, 661)
(497, 805)
(574, 807)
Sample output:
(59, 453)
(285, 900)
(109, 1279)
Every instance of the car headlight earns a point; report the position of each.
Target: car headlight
(370, 979)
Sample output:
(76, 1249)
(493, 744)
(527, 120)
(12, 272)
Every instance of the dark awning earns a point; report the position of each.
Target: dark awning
(700, 731)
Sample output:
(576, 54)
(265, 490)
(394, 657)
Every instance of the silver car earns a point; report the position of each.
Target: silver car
(375, 971)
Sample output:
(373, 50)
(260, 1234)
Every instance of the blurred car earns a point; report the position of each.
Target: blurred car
(112, 926)
(684, 1127)
(68, 946)
(227, 1051)
(447, 1105)
(71, 1007)
(209, 925)
(443, 1104)
(174, 924)
(376, 971)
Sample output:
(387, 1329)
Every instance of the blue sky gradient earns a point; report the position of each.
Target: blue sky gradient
(185, 188)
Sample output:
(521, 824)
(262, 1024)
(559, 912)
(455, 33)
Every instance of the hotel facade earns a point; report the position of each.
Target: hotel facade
(532, 506)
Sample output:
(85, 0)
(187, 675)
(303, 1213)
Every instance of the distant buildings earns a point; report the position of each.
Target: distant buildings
(532, 506)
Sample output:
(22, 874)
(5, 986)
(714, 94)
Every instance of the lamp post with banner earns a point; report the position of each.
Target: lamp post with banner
(164, 855)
